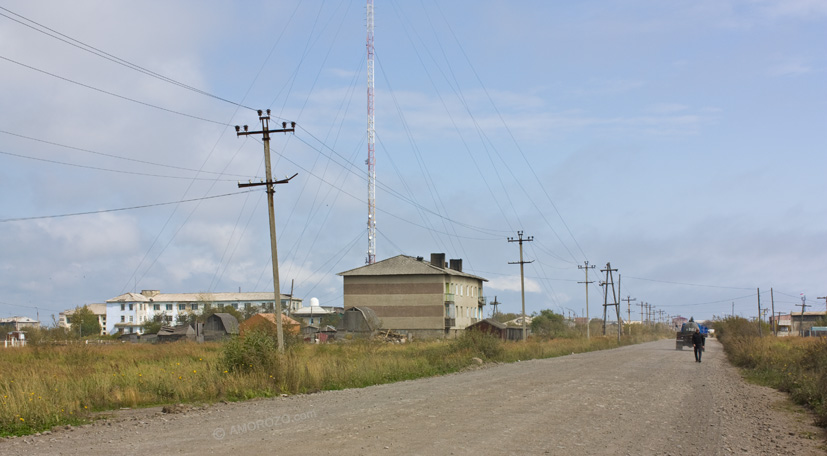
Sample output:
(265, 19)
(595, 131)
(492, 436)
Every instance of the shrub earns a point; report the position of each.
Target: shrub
(478, 343)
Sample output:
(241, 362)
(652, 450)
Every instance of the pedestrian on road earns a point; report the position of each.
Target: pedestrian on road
(698, 342)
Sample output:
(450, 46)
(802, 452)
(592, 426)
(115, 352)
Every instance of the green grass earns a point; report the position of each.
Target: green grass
(46, 386)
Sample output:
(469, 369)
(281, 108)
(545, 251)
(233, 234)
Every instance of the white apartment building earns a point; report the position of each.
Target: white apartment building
(129, 311)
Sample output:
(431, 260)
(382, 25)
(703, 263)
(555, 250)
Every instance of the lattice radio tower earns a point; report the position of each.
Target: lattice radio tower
(371, 161)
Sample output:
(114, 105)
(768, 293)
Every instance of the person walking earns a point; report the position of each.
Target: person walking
(698, 341)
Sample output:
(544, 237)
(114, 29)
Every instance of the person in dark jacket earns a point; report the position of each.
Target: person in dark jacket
(698, 342)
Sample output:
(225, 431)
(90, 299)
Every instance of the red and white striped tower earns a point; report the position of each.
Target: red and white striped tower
(371, 161)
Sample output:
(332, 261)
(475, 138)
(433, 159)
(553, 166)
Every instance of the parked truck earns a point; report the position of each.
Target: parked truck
(684, 336)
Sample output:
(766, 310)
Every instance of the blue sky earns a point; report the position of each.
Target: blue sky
(681, 141)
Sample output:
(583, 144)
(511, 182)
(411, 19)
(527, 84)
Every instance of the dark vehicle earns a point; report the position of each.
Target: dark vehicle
(684, 337)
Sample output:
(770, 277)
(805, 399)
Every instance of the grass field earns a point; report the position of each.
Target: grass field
(45, 386)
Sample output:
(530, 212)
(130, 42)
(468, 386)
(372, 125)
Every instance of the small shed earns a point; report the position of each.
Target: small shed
(360, 320)
(220, 325)
(489, 326)
(516, 332)
(176, 333)
(267, 322)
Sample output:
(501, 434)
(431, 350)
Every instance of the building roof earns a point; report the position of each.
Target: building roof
(18, 320)
(489, 321)
(312, 311)
(405, 265)
(181, 330)
(96, 308)
(271, 317)
(229, 322)
(198, 297)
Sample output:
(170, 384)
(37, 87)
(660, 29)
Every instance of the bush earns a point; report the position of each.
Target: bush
(478, 343)
(255, 351)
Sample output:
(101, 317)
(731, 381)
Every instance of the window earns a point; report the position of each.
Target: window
(193, 306)
(156, 307)
(235, 305)
(130, 318)
(182, 307)
(123, 318)
(169, 306)
(123, 307)
(132, 307)
(68, 321)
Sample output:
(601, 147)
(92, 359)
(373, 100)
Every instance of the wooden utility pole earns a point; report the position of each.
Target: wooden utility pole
(803, 306)
(522, 272)
(774, 321)
(588, 323)
(629, 300)
(265, 137)
(494, 307)
(759, 312)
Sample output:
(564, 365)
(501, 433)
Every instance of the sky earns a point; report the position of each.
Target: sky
(682, 142)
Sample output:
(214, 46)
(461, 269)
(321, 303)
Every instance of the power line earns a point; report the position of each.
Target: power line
(119, 157)
(96, 168)
(133, 100)
(112, 58)
(690, 284)
(19, 219)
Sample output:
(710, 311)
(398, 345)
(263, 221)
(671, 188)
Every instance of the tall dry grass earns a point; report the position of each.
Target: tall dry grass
(45, 386)
(792, 364)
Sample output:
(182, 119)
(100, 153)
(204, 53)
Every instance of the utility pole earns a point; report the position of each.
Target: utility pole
(629, 300)
(759, 312)
(803, 306)
(774, 321)
(522, 273)
(588, 323)
(265, 132)
(641, 313)
(494, 307)
(610, 282)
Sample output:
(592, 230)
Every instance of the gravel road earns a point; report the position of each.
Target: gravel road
(647, 399)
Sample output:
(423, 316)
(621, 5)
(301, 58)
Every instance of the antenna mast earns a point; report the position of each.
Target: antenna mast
(371, 161)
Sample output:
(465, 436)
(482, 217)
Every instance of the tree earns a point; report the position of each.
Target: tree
(549, 324)
(85, 322)
(152, 326)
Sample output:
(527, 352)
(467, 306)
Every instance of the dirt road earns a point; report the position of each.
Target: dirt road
(646, 399)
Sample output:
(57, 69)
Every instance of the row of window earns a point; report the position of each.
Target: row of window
(462, 290)
(195, 306)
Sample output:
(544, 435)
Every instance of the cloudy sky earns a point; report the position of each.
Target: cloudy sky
(683, 142)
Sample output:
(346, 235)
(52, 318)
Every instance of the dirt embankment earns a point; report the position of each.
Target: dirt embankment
(643, 399)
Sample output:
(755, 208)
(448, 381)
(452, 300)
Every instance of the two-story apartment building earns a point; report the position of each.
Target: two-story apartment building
(417, 297)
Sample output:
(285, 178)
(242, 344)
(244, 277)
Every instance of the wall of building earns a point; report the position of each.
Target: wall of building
(401, 302)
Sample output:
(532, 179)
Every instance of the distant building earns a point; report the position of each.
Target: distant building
(220, 325)
(415, 297)
(801, 324)
(128, 312)
(99, 309)
(18, 324)
(267, 322)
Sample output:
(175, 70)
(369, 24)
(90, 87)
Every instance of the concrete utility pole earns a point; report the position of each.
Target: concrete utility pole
(265, 132)
(588, 323)
(522, 273)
